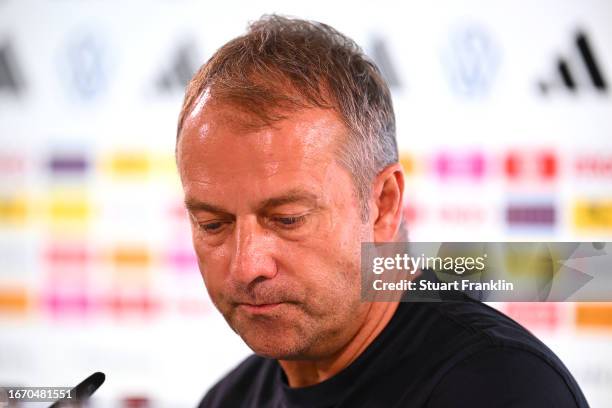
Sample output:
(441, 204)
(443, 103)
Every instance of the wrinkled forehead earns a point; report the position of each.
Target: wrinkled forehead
(208, 117)
(224, 164)
(211, 118)
(261, 99)
(223, 140)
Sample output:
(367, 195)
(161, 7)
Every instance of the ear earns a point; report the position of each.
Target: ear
(387, 199)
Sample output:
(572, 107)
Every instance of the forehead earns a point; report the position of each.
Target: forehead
(216, 150)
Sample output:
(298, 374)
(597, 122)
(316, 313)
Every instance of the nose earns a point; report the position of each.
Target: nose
(252, 257)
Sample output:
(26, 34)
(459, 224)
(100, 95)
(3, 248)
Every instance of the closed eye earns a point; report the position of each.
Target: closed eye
(290, 222)
(212, 227)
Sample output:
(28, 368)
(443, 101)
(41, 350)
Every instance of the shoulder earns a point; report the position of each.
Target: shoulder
(247, 379)
(475, 321)
(490, 357)
(506, 377)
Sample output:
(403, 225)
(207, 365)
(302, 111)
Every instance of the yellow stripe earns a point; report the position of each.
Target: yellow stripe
(128, 164)
(69, 209)
(13, 210)
(407, 162)
(593, 214)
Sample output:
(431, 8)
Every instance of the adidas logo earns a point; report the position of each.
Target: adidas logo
(578, 71)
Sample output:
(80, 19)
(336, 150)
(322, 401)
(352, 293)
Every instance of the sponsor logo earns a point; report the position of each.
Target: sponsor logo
(64, 255)
(594, 165)
(64, 302)
(407, 162)
(11, 164)
(139, 303)
(594, 316)
(578, 71)
(85, 65)
(593, 214)
(412, 214)
(67, 164)
(128, 164)
(67, 208)
(541, 166)
(183, 259)
(470, 60)
(10, 75)
(175, 76)
(13, 300)
(534, 316)
(470, 165)
(131, 257)
(462, 214)
(382, 57)
(13, 210)
(531, 215)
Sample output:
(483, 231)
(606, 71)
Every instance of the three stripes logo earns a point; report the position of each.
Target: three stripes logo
(382, 57)
(10, 78)
(175, 76)
(579, 71)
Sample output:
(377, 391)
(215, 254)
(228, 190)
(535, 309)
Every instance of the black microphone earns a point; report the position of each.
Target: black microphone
(82, 391)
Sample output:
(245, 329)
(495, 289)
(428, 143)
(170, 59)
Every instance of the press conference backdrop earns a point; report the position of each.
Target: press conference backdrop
(504, 115)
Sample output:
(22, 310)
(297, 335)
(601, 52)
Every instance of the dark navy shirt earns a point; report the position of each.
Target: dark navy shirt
(459, 353)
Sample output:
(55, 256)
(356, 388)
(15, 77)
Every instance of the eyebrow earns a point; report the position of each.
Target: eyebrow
(290, 197)
(196, 205)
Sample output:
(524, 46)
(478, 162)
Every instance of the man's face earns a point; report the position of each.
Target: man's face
(276, 228)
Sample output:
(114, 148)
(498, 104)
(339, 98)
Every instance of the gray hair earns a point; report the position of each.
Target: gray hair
(282, 65)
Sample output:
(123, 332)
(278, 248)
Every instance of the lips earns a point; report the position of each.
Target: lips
(260, 308)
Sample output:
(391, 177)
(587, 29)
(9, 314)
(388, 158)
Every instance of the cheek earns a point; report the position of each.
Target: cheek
(333, 253)
(329, 267)
(213, 264)
(346, 238)
(344, 255)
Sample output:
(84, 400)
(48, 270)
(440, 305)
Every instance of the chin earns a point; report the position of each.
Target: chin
(276, 354)
(276, 344)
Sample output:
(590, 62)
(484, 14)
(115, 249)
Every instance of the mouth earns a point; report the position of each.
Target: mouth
(261, 308)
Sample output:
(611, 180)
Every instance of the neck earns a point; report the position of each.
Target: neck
(302, 373)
